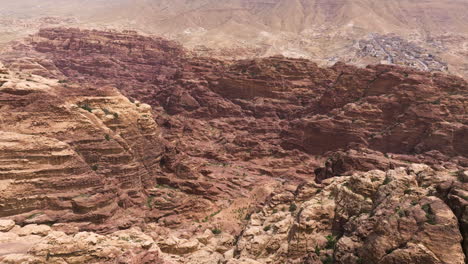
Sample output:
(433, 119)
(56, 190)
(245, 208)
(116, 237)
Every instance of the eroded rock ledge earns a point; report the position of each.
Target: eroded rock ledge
(71, 153)
(410, 214)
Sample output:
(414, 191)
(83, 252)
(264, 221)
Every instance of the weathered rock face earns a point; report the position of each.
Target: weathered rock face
(387, 109)
(398, 216)
(72, 153)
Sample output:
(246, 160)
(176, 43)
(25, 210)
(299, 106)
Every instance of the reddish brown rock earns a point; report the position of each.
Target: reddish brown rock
(297, 104)
(224, 147)
(70, 153)
(273, 116)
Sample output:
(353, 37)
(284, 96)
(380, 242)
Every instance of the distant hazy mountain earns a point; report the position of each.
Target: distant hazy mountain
(382, 16)
(324, 30)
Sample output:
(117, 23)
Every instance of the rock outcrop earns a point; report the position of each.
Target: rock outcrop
(41, 244)
(73, 153)
(399, 216)
(411, 214)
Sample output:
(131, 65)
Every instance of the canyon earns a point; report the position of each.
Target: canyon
(118, 147)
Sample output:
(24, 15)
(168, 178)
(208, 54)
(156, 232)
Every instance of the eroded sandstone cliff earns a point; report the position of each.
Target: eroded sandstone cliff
(272, 160)
(71, 152)
(293, 103)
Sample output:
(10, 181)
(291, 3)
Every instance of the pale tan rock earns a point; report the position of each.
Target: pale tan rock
(88, 238)
(418, 168)
(205, 257)
(6, 225)
(205, 237)
(33, 229)
(223, 242)
(20, 259)
(229, 254)
(88, 247)
(379, 213)
(8, 236)
(12, 244)
(464, 176)
(179, 246)
(242, 261)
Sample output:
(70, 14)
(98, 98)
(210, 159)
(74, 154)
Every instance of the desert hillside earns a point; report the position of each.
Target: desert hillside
(431, 35)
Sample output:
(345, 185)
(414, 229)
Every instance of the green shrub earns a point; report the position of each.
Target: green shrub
(400, 212)
(149, 202)
(328, 260)
(431, 219)
(247, 217)
(215, 213)
(317, 250)
(331, 242)
(426, 208)
(386, 181)
(430, 216)
(86, 107)
(216, 231)
(164, 186)
(292, 207)
(34, 215)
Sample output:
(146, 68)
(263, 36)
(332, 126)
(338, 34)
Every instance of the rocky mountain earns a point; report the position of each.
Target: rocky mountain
(325, 31)
(123, 147)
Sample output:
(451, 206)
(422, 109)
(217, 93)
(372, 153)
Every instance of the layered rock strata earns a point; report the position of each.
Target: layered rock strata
(71, 152)
(273, 160)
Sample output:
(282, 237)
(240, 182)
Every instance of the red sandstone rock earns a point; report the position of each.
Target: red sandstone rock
(221, 137)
